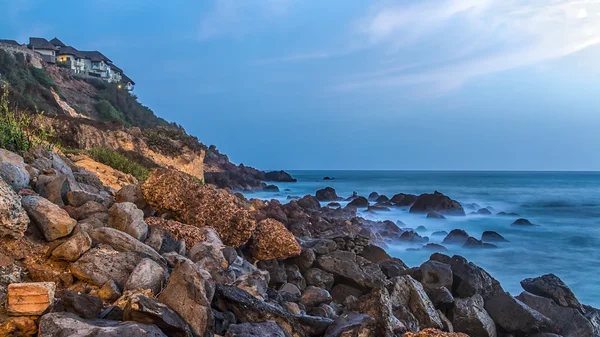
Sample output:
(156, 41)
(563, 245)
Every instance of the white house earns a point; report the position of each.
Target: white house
(71, 58)
(96, 64)
(44, 48)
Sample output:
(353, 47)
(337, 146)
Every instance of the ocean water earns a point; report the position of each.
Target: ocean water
(565, 205)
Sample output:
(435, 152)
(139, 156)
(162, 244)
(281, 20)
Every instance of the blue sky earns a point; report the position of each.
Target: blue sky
(291, 84)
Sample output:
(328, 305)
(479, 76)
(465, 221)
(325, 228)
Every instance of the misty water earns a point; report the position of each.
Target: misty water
(565, 205)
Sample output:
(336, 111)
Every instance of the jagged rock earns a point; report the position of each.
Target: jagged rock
(392, 267)
(306, 259)
(146, 275)
(436, 202)
(314, 326)
(340, 292)
(179, 194)
(456, 237)
(433, 333)
(29, 299)
(13, 218)
(435, 274)
(522, 222)
(19, 326)
(434, 247)
(110, 292)
(263, 329)
(382, 198)
(100, 265)
(13, 171)
(309, 202)
(470, 317)
(491, 236)
(515, 316)
(567, 320)
(54, 222)
(435, 215)
(319, 278)
(66, 324)
(470, 279)
(352, 324)
(474, 243)
(294, 276)
(132, 193)
(326, 194)
(70, 250)
(82, 305)
(89, 209)
(440, 297)
(189, 292)
(352, 268)
(279, 176)
(255, 283)
(179, 231)
(359, 202)
(147, 310)
(552, 287)
(54, 188)
(126, 217)
(412, 236)
(124, 242)
(593, 315)
(403, 200)
(78, 198)
(272, 240)
(409, 293)
(313, 296)
(63, 164)
(162, 241)
(375, 254)
(277, 273)
(378, 304)
(320, 246)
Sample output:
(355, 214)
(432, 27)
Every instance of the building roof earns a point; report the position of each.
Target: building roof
(57, 43)
(40, 43)
(114, 67)
(13, 42)
(126, 79)
(70, 51)
(95, 56)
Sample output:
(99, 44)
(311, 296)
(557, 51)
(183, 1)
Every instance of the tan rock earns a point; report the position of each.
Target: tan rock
(30, 299)
(272, 240)
(13, 219)
(53, 221)
(433, 333)
(74, 247)
(18, 326)
(190, 234)
(108, 175)
(191, 202)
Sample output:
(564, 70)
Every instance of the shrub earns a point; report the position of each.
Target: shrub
(19, 131)
(119, 162)
(42, 77)
(107, 112)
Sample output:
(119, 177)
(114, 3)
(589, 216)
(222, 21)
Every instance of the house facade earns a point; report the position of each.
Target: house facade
(71, 58)
(44, 48)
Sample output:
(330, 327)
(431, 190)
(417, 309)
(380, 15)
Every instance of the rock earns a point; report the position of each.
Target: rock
(435, 274)
(474, 243)
(89, 209)
(411, 236)
(279, 176)
(66, 324)
(79, 198)
(13, 218)
(179, 194)
(375, 254)
(294, 276)
(82, 305)
(381, 199)
(433, 333)
(569, 321)
(435, 215)
(326, 194)
(469, 279)
(515, 316)
(434, 247)
(352, 268)
(54, 222)
(290, 289)
(359, 202)
(13, 171)
(328, 178)
(439, 233)
(379, 305)
(392, 267)
(309, 202)
(272, 240)
(373, 196)
(179, 231)
(352, 324)
(409, 293)
(29, 299)
(146, 275)
(126, 217)
(271, 188)
(306, 259)
(54, 188)
(491, 236)
(255, 283)
(552, 287)
(440, 297)
(62, 164)
(334, 205)
(147, 310)
(403, 200)
(73, 247)
(100, 265)
(522, 222)
(131, 193)
(484, 211)
(319, 278)
(189, 292)
(438, 202)
(456, 237)
(162, 241)
(470, 317)
(263, 329)
(19, 326)
(313, 296)
(593, 315)
(110, 292)
(421, 229)
(124, 242)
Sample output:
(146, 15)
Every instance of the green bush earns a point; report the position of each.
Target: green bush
(119, 162)
(18, 130)
(107, 112)
(42, 77)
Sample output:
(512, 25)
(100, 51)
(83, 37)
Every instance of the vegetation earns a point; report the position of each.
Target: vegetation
(18, 130)
(107, 112)
(119, 162)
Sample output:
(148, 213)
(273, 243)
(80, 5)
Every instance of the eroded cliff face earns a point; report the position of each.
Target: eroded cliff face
(86, 134)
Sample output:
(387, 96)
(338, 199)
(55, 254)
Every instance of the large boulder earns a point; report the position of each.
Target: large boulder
(126, 217)
(352, 269)
(124, 242)
(409, 294)
(403, 200)
(470, 317)
(437, 202)
(70, 250)
(352, 324)
(146, 275)
(144, 309)
(435, 274)
(83, 305)
(491, 236)
(63, 324)
(272, 240)
(100, 265)
(279, 176)
(13, 218)
(262, 329)
(189, 292)
(515, 316)
(456, 237)
(191, 235)
(359, 202)
(193, 203)
(552, 287)
(378, 304)
(53, 221)
(13, 171)
(593, 315)
(309, 202)
(326, 194)
(469, 279)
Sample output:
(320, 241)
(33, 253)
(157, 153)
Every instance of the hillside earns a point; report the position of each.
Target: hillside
(88, 113)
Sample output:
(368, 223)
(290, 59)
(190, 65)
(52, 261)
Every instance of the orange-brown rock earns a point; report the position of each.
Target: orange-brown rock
(434, 333)
(189, 201)
(190, 234)
(18, 326)
(272, 240)
(30, 299)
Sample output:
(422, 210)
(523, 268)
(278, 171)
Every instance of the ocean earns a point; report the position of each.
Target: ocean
(564, 205)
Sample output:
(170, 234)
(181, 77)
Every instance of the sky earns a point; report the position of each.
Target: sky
(353, 84)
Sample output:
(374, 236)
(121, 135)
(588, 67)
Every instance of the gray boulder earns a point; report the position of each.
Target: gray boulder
(514, 316)
(313, 296)
(77, 198)
(13, 218)
(469, 279)
(126, 217)
(552, 287)
(147, 275)
(409, 294)
(352, 268)
(593, 315)
(378, 304)
(262, 329)
(435, 274)
(12, 170)
(255, 283)
(100, 265)
(352, 324)
(470, 317)
(319, 278)
(124, 242)
(143, 309)
(63, 324)
(53, 221)
(82, 305)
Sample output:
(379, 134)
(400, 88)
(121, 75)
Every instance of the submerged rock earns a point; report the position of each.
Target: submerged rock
(435, 215)
(456, 237)
(491, 236)
(437, 202)
(326, 194)
(359, 202)
(522, 222)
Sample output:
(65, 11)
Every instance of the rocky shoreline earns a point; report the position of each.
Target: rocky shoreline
(174, 257)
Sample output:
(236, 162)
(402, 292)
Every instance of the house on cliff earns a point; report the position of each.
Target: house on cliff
(43, 47)
(71, 58)
(57, 43)
(10, 42)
